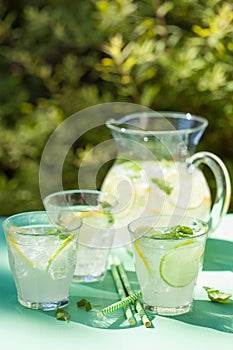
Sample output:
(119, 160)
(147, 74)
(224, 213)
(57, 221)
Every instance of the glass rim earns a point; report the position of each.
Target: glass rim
(85, 191)
(116, 125)
(205, 227)
(18, 229)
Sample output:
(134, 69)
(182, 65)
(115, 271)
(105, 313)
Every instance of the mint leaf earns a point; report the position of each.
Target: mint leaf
(178, 231)
(105, 204)
(181, 231)
(110, 217)
(88, 306)
(217, 296)
(85, 304)
(163, 185)
(134, 166)
(81, 302)
(63, 236)
(53, 231)
(62, 315)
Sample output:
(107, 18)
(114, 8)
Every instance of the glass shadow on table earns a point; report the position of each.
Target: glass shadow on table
(218, 257)
(211, 315)
(100, 294)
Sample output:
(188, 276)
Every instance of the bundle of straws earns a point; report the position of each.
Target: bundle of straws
(129, 299)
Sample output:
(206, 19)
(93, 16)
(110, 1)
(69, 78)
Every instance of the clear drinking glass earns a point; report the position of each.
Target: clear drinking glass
(42, 258)
(96, 235)
(168, 255)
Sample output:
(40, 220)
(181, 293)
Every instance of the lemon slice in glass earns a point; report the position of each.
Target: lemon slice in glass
(61, 247)
(141, 255)
(180, 266)
(96, 218)
(19, 251)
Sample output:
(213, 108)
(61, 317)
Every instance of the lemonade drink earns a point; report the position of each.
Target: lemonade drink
(96, 234)
(156, 188)
(95, 241)
(42, 258)
(167, 262)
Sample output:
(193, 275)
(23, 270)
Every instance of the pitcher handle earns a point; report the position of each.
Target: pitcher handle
(223, 184)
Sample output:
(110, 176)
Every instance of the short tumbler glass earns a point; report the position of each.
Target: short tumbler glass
(97, 233)
(168, 255)
(42, 258)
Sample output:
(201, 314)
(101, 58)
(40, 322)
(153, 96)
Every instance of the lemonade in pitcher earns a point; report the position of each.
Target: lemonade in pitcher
(148, 190)
(157, 170)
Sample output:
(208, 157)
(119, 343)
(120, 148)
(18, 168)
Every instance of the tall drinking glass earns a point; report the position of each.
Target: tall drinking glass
(96, 235)
(42, 258)
(168, 255)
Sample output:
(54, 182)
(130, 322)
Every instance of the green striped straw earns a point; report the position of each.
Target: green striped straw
(138, 305)
(120, 288)
(115, 306)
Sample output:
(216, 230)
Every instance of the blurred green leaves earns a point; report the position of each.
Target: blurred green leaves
(59, 57)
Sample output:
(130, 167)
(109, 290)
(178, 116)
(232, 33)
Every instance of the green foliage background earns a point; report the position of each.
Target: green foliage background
(58, 57)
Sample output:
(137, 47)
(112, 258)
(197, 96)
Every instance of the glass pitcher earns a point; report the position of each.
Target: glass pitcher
(158, 172)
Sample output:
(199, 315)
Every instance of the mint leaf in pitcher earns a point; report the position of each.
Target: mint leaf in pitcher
(105, 204)
(163, 185)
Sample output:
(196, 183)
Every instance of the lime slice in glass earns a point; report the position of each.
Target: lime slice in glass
(180, 265)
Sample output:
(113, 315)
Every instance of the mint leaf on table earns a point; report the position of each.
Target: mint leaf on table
(81, 302)
(88, 306)
(85, 304)
(62, 315)
(217, 296)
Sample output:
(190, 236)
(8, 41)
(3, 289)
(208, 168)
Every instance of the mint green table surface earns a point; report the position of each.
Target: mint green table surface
(209, 325)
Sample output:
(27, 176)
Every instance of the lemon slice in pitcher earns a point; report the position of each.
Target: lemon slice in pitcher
(188, 190)
(180, 265)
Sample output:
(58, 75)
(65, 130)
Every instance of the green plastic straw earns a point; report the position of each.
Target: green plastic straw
(115, 306)
(138, 305)
(120, 288)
